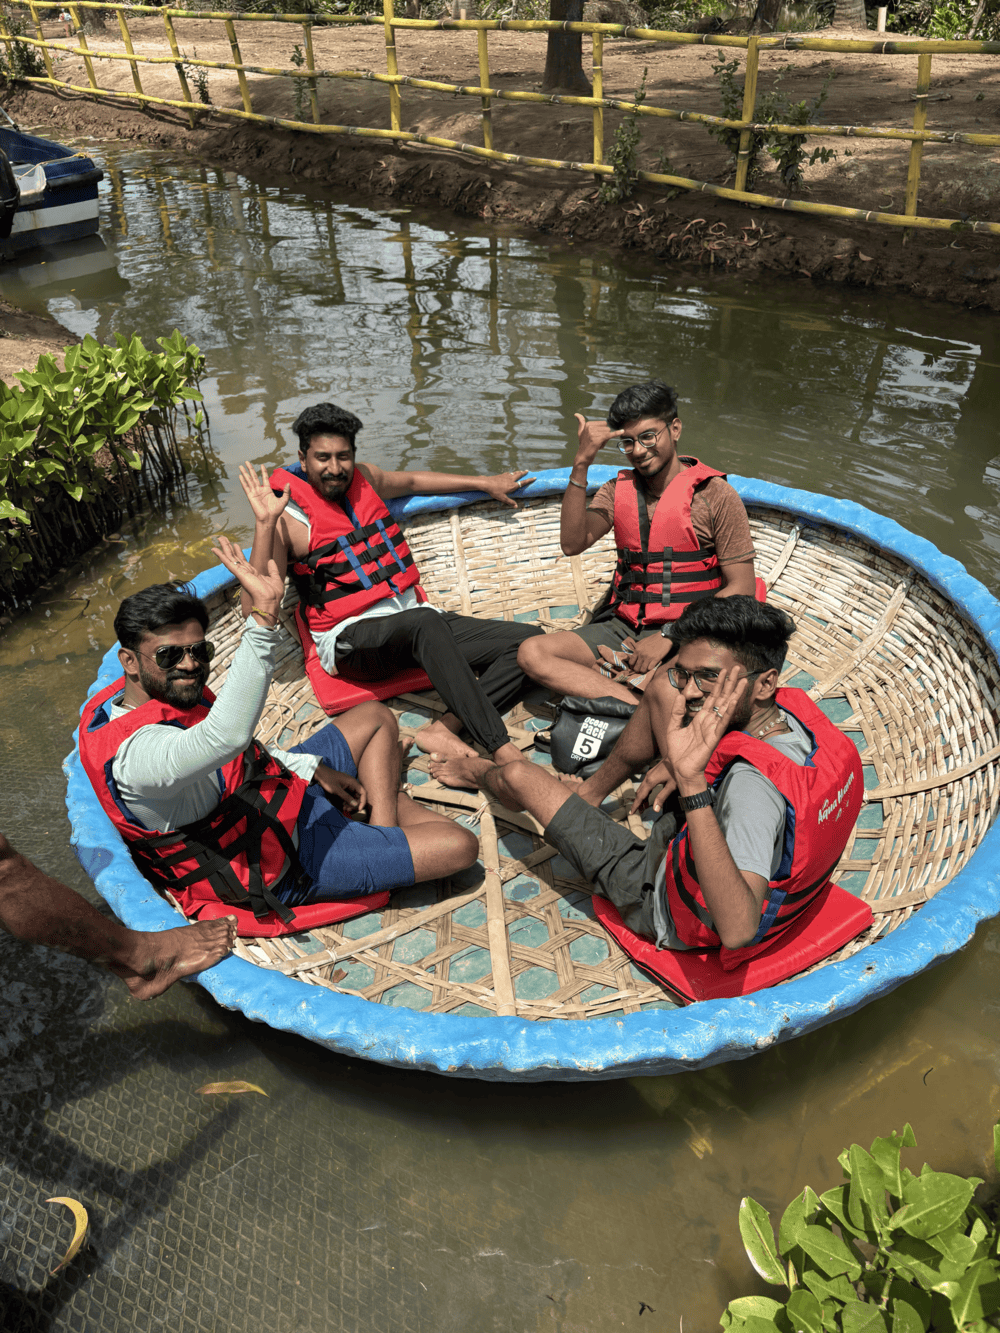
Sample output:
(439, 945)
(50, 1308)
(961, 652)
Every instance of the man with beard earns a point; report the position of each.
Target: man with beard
(360, 590)
(761, 791)
(681, 534)
(211, 815)
(38, 909)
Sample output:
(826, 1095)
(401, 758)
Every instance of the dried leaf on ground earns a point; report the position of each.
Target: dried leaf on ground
(80, 1230)
(235, 1085)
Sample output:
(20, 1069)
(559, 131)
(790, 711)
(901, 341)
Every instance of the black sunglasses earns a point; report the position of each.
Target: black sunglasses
(172, 654)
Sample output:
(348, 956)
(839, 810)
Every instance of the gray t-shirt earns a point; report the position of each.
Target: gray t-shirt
(167, 776)
(751, 814)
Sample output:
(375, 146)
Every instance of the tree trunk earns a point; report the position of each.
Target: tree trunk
(564, 52)
(766, 15)
(850, 14)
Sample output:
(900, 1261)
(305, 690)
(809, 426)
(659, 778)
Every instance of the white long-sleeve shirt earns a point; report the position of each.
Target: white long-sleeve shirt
(167, 776)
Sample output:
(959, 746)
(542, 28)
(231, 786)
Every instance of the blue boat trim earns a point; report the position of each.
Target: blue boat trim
(657, 1042)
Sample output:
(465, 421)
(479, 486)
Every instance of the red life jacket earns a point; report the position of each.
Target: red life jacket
(345, 571)
(822, 797)
(234, 855)
(662, 566)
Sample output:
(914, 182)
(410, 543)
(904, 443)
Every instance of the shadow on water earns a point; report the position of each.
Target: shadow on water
(360, 1197)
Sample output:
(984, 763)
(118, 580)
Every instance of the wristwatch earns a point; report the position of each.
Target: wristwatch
(665, 632)
(698, 801)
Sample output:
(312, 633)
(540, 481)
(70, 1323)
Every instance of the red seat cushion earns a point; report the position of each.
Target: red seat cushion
(305, 918)
(697, 974)
(336, 694)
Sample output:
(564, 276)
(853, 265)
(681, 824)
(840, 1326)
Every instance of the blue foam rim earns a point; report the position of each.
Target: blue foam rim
(654, 1042)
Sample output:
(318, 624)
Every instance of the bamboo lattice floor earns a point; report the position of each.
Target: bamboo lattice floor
(890, 662)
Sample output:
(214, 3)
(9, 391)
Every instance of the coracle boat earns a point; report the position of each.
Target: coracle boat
(49, 192)
(514, 978)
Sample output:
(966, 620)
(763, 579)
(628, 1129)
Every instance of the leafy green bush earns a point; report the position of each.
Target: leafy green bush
(19, 60)
(79, 445)
(623, 155)
(788, 150)
(888, 1252)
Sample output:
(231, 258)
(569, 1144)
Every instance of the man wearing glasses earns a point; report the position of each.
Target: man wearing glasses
(211, 815)
(761, 792)
(681, 534)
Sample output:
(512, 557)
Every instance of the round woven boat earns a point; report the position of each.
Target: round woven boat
(508, 974)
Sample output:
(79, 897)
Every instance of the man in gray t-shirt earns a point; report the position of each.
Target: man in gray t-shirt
(724, 680)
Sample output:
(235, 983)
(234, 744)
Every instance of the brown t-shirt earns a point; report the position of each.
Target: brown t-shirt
(717, 515)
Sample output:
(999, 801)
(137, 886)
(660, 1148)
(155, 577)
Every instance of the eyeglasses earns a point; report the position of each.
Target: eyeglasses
(647, 440)
(172, 654)
(706, 681)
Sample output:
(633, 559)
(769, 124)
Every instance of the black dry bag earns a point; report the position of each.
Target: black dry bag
(584, 732)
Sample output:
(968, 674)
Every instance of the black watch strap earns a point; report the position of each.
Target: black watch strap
(698, 801)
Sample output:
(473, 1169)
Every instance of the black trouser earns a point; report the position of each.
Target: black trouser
(452, 649)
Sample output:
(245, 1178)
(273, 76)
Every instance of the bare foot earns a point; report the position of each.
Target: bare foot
(459, 770)
(435, 738)
(162, 957)
(569, 779)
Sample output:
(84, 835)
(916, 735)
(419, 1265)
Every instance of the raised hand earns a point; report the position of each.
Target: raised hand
(345, 792)
(592, 436)
(688, 749)
(503, 483)
(264, 590)
(267, 507)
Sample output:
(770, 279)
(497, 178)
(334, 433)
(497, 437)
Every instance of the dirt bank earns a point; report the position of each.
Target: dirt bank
(25, 337)
(958, 181)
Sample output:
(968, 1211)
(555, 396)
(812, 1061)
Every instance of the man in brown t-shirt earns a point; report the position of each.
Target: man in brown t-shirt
(644, 424)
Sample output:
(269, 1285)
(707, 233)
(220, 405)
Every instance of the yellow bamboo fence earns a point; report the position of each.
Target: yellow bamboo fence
(921, 51)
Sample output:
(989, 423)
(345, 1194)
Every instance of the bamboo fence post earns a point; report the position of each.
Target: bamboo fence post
(484, 82)
(390, 64)
(127, 39)
(598, 77)
(307, 36)
(749, 105)
(179, 67)
(244, 86)
(917, 146)
(41, 37)
(81, 37)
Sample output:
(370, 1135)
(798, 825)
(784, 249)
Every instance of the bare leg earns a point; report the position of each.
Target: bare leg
(40, 910)
(563, 663)
(634, 749)
(521, 786)
(373, 735)
(438, 845)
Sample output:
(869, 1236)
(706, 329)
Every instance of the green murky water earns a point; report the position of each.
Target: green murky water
(358, 1197)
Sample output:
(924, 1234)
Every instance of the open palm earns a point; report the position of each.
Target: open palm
(265, 590)
(266, 506)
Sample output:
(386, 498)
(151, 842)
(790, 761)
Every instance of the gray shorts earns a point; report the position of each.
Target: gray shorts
(620, 865)
(611, 633)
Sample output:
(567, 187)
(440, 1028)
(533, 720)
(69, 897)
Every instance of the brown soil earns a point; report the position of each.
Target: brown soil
(24, 338)
(957, 182)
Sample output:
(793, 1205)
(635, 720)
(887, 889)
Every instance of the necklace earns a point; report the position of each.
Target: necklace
(776, 722)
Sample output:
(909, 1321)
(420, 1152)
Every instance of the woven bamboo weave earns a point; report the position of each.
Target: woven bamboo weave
(886, 656)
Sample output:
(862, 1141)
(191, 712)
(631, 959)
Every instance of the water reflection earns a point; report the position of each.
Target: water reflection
(400, 1200)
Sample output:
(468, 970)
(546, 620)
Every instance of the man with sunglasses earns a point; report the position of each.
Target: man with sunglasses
(681, 534)
(761, 792)
(213, 816)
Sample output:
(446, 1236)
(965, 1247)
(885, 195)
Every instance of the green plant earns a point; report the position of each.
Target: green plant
(773, 107)
(79, 444)
(887, 1252)
(298, 60)
(19, 60)
(198, 75)
(624, 154)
